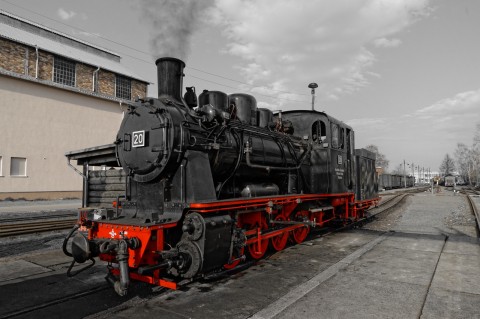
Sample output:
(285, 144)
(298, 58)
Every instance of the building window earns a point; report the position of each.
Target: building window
(123, 87)
(64, 71)
(18, 166)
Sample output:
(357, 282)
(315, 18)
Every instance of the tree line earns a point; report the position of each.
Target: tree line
(466, 161)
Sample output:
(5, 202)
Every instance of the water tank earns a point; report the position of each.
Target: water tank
(217, 99)
(245, 107)
(265, 116)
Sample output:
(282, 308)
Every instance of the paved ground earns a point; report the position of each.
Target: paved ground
(427, 266)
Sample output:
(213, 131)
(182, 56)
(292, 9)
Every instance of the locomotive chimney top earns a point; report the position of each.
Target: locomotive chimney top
(170, 77)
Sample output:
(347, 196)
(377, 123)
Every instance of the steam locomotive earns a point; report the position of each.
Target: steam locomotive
(214, 180)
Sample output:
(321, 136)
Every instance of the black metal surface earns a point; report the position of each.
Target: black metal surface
(366, 185)
(170, 77)
(173, 155)
(244, 107)
(219, 100)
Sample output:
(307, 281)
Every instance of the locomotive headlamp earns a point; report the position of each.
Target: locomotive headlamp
(313, 86)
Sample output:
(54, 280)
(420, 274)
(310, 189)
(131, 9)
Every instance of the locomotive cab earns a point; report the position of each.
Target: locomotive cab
(331, 168)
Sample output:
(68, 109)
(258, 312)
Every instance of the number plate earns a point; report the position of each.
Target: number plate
(138, 139)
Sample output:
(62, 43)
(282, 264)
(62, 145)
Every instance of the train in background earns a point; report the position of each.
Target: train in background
(392, 181)
(204, 184)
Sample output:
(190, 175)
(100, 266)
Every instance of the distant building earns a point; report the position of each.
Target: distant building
(57, 94)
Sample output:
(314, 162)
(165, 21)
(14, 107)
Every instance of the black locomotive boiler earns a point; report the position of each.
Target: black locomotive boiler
(208, 186)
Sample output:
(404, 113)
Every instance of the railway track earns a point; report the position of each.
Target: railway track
(37, 216)
(469, 193)
(77, 295)
(11, 229)
(43, 223)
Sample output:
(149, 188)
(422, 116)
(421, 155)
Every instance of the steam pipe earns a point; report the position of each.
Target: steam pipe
(148, 269)
(248, 150)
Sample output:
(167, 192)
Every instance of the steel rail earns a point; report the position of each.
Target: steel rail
(35, 227)
(475, 212)
(33, 217)
(54, 302)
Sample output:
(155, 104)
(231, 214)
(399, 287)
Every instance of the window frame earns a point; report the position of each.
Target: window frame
(341, 137)
(319, 130)
(1, 166)
(25, 166)
(122, 88)
(335, 136)
(60, 72)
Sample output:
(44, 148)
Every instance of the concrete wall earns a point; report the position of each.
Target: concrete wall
(41, 123)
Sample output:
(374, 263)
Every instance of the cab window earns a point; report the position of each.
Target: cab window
(319, 131)
(334, 135)
(341, 138)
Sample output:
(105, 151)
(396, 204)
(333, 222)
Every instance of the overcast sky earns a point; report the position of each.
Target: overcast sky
(404, 74)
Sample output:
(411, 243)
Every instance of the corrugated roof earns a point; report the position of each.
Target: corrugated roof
(13, 17)
(65, 50)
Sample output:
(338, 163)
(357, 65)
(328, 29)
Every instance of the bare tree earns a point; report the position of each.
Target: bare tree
(468, 159)
(448, 166)
(475, 156)
(463, 161)
(381, 160)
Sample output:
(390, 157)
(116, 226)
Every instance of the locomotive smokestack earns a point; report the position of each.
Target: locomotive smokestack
(170, 77)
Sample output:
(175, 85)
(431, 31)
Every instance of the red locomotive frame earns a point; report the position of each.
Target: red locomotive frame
(252, 216)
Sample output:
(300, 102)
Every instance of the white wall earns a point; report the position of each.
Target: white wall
(42, 123)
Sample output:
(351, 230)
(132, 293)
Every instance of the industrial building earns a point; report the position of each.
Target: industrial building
(57, 94)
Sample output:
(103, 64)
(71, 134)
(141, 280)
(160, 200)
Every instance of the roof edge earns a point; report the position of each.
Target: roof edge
(37, 25)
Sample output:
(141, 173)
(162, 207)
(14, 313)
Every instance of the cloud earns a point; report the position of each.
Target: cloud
(425, 135)
(387, 43)
(462, 104)
(65, 15)
(312, 41)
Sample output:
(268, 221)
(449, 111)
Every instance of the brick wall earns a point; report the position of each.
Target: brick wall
(21, 59)
(12, 56)
(106, 82)
(139, 89)
(85, 76)
(32, 56)
(45, 66)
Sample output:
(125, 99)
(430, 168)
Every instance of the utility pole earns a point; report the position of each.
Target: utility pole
(404, 176)
(413, 173)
